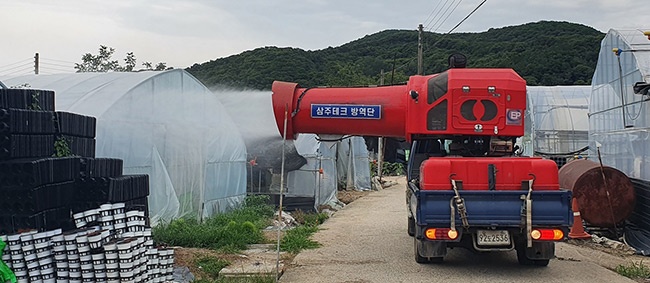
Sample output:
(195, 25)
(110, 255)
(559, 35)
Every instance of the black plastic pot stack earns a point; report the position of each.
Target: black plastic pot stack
(41, 191)
(36, 187)
(102, 182)
(99, 250)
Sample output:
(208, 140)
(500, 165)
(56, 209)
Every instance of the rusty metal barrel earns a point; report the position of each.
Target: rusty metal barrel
(603, 203)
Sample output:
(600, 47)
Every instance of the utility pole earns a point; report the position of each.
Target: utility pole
(420, 31)
(36, 63)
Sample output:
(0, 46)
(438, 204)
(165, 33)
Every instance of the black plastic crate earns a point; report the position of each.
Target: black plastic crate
(101, 167)
(46, 220)
(112, 189)
(20, 121)
(28, 174)
(91, 189)
(72, 124)
(79, 146)
(128, 187)
(14, 146)
(30, 99)
(29, 201)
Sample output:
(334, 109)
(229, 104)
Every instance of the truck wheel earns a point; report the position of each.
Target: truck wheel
(411, 226)
(521, 257)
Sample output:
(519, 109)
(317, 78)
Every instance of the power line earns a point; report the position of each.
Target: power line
(21, 61)
(436, 16)
(16, 67)
(57, 69)
(429, 17)
(452, 11)
(443, 36)
(18, 71)
(443, 14)
(459, 23)
(52, 64)
(466, 17)
(60, 61)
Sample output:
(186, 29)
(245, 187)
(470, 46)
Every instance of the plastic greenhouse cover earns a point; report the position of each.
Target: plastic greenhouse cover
(334, 158)
(252, 111)
(308, 181)
(622, 131)
(353, 164)
(557, 120)
(165, 124)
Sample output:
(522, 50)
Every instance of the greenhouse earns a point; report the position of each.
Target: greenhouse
(556, 120)
(165, 124)
(315, 167)
(619, 116)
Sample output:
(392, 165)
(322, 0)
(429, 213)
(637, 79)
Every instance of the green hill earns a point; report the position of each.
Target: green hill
(544, 53)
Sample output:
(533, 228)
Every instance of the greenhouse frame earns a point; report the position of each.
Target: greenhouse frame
(164, 124)
(619, 118)
(556, 120)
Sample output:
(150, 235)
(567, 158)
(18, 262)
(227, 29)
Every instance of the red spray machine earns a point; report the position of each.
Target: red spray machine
(470, 102)
(466, 187)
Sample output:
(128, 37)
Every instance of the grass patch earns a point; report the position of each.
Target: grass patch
(211, 266)
(227, 232)
(387, 169)
(298, 239)
(633, 270)
(252, 279)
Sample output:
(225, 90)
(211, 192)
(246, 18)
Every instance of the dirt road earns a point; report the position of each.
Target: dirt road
(367, 242)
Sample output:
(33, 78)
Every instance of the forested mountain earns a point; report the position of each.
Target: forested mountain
(544, 53)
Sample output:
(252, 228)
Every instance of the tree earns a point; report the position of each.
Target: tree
(129, 62)
(103, 62)
(98, 63)
(161, 66)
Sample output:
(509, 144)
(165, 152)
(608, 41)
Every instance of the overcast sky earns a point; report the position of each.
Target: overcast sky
(184, 32)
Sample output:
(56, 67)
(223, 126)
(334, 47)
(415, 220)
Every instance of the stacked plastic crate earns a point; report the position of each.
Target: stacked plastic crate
(101, 181)
(40, 192)
(37, 187)
(40, 189)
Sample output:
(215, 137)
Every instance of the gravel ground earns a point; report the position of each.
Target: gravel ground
(182, 274)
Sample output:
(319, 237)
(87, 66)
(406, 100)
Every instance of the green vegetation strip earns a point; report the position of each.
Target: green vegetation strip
(233, 231)
(634, 270)
(229, 232)
(252, 279)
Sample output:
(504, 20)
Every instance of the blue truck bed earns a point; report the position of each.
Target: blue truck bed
(494, 208)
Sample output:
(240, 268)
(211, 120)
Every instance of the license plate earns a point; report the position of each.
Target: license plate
(493, 238)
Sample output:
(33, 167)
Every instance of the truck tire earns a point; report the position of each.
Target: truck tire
(423, 260)
(411, 226)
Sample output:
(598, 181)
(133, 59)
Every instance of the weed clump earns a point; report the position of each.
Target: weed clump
(228, 232)
(634, 270)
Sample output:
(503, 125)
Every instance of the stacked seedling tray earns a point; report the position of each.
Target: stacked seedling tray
(65, 216)
(109, 244)
(36, 187)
